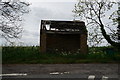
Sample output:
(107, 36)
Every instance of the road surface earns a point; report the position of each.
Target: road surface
(60, 71)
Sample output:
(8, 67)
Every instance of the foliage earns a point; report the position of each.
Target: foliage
(93, 12)
(32, 55)
(11, 12)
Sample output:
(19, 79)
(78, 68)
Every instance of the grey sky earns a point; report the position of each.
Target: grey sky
(44, 10)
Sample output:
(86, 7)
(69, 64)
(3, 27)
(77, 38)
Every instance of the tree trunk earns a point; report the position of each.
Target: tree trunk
(119, 21)
(118, 28)
(107, 37)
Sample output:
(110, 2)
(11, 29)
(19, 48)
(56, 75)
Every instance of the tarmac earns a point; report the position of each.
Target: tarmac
(60, 72)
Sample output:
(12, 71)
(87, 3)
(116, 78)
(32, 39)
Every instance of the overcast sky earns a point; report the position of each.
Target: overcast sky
(57, 10)
(44, 9)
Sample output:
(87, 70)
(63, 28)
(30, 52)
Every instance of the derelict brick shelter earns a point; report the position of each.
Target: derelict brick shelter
(68, 36)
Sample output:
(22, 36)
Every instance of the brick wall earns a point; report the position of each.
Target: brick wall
(63, 42)
(83, 43)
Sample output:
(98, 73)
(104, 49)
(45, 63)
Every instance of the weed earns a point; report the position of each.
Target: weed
(31, 54)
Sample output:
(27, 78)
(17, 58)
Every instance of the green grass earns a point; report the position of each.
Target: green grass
(31, 55)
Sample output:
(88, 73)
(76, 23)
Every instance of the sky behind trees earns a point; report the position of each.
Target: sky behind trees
(43, 9)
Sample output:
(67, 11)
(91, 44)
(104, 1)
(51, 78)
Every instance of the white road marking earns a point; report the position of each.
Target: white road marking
(91, 77)
(104, 78)
(13, 74)
(66, 72)
(55, 73)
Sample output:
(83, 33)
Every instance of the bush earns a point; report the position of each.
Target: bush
(31, 54)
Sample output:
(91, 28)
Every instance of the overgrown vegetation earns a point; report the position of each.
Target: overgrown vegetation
(31, 55)
(99, 15)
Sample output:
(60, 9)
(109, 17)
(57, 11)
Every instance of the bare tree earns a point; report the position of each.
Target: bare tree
(11, 12)
(93, 12)
(118, 20)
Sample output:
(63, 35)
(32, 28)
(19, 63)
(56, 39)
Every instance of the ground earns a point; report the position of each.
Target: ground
(62, 70)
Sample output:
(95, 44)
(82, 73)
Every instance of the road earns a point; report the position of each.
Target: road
(60, 71)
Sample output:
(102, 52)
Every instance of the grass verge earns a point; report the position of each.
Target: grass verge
(31, 55)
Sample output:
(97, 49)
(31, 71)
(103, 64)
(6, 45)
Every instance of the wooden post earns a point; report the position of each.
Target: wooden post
(43, 37)
(43, 42)
(83, 43)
